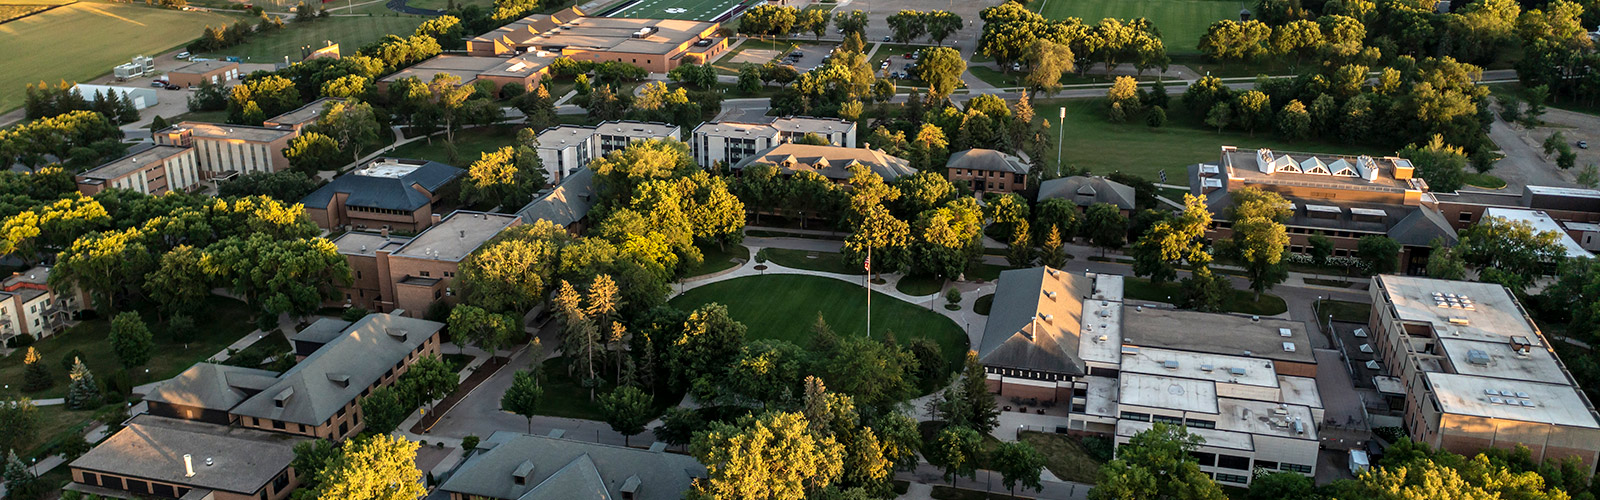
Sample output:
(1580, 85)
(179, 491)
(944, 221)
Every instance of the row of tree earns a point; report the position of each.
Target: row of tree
(45, 101)
(1011, 33)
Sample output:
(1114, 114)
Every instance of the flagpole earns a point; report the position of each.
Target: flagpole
(869, 291)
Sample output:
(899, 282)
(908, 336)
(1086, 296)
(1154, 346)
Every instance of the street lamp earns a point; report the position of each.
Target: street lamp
(1061, 135)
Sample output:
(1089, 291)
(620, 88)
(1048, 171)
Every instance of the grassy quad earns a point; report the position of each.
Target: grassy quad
(784, 307)
(349, 32)
(1181, 22)
(112, 33)
(1093, 141)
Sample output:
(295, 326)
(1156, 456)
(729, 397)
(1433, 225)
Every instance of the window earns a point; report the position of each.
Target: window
(1232, 478)
(1464, 217)
(1263, 464)
(91, 479)
(1136, 416)
(137, 486)
(1233, 462)
(278, 424)
(343, 428)
(281, 482)
(425, 274)
(1303, 469)
(1163, 419)
(1200, 424)
(1206, 459)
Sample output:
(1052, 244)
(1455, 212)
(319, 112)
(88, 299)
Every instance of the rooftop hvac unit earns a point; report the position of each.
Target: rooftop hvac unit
(1236, 371)
(1207, 368)
(1285, 332)
(1477, 357)
(1459, 320)
(1288, 347)
(1169, 364)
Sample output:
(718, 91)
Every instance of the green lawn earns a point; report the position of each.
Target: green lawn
(785, 306)
(727, 66)
(470, 145)
(693, 10)
(111, 33)
(1485, 181)
(487, 5)
(219, 322)
(829, 262)
(985, 272)
(718, 259)
(1181, 22)
(1064, 456)
(1241, 302)
(1146, 151)
(1354, 312)
(349, 32)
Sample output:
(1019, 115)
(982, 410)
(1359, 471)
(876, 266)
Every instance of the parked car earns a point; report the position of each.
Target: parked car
(907, 55)
(797, 53)
(1583, 144)
(173, 87)
(1016, 66)
(182, 55)
(886, 38)
(158, 83)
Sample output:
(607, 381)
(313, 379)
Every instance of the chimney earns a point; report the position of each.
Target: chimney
(188, 465)
(385, 232)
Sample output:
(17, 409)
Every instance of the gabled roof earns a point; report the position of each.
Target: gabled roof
(790, 158)
(987, 159)
(390, 192)
(560, 469)
(152, 448)
(1421, 226)
(569, 202)
(212, 387)
(335, 375)
(1036, 321)
(1086, 191)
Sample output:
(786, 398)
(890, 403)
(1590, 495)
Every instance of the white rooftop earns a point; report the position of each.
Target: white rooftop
(1102, 339)
(1172, 393)
(1107, 287)
(1500, 360)
(387, 169)
(1494, 316)
(1266, 418)
(1212, 437)
(1541, 222)
(1102, 397)
(1300, 391)
(1218, 368)
(1545, 403)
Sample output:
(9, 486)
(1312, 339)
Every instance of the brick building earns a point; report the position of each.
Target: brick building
(565, 149)
(988, 171)
(29, 306)
(300, 117)
(732, 142)
(1085, 191)
(195, 73)
(387, 193)
(154, 170)
(657, 45)
(161, 457)
(393, 273)
(832, 162)
(523, 69)
(224, 150)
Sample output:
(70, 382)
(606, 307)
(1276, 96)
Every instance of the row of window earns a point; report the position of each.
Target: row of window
(1164, 419)
(134, 485)
(355, 208)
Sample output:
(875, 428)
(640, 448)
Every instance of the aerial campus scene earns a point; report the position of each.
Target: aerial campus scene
(799, 249)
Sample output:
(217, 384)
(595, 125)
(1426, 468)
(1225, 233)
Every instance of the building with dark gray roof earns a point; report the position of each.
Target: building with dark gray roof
(206, 392)
(320, 396)
(1033, 329)
(1084, 191)
(567, 205)
(169, 458)
(388, 193)
(516, 466)
(988, 171)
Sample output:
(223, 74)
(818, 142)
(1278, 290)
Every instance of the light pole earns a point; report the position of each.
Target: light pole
(1061, 135)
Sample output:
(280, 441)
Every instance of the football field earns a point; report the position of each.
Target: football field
(1181, 22)
(691, 10)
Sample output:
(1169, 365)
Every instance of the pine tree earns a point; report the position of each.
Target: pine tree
(37, 377)
(158, 123)
(126, 111)
(1052, 252)
(981, 412)
(83, 393)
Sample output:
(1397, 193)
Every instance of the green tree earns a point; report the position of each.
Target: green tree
(287, 186)
(1381, 253)
(182, 282)
(82, 392)
(512, 271)
(627, 410)
(710, 336)
(312, 152)
(281, 276)
(773, 456)
(1204, 290)
(1172, 241)
(1507, 252)
(19, 423)
(1156, 463)
(379, 467)
(1019, 252)
(1320, 247)
(941, 69)
(1047, 62)
(1220, 116)
(353, 124)
(1105, 226)
(489, 331)
(1017, 462)
(522, 398)
(1051, 251)
(37, 375)
(1445, 262)
(956, 450)
(383, 410)
(1253, 109)
(1293, 121)
(428, 380)
(1281, 485)
(885, 235)
(970, 404)
(1442, 165)
(130, 340)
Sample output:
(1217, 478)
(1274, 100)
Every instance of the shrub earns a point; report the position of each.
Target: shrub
(354, 314)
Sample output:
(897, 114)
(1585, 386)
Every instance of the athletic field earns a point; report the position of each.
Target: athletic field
(1181, 22)
(349, 32)
(692, 10)
(84, 40)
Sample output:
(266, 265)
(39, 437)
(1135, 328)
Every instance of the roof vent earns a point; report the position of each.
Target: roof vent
(396, 333)
(520, 475)
(1288, 347)
(1129, 350)
(339, 379)
(1285, 332)
(1207, 368)
(1478, 357)
(1102, 338)
(1169, 364)
(630, 487)
(1048, 318)
(1050, 294)
(1459, 320)
(283, 397)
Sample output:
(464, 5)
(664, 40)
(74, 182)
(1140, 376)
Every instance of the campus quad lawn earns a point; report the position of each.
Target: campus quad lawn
(828, 262)
(1094, 142)
(470, 145)
(349, 32)
(1242, 301)
(785, 306)
(1354, 312)
(219, 323)
(107, 34)
(718, 259)
(693, 10)
(1181, 22)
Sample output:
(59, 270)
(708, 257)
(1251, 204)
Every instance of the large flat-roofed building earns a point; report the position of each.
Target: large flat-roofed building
(195, 73)
(525, 70)
(153, 170)
(516, 466)
(298, 119)
(321, 396)
(222, 149)
(168, 458)
(30, 306)
(1343, 197)
(565, 149)
(387, 193)
(410, 274)
(732, 142)
(1477, 372)
(1564, 204)
(988, 171)
(832, 162)
(1067, 344)
(1542, 222)
(657, 45)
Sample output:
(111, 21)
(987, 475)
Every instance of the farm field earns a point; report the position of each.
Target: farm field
(113, 33)
(349, 32)
(1181, 22)
(692, 10)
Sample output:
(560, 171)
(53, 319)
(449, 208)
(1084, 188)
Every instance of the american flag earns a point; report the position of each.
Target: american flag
(867, 264)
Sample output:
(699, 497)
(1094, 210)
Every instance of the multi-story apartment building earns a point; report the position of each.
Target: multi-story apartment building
(29, 306)
(225, 150)
(1342, 197)
(832, 162)
(1477, 372)
(732, 142)
(525, 70)
(567, 148)
(387, 193)
(411, 274)
(657, 45)
(1065, 344)
(988, 171)
(152, 170)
